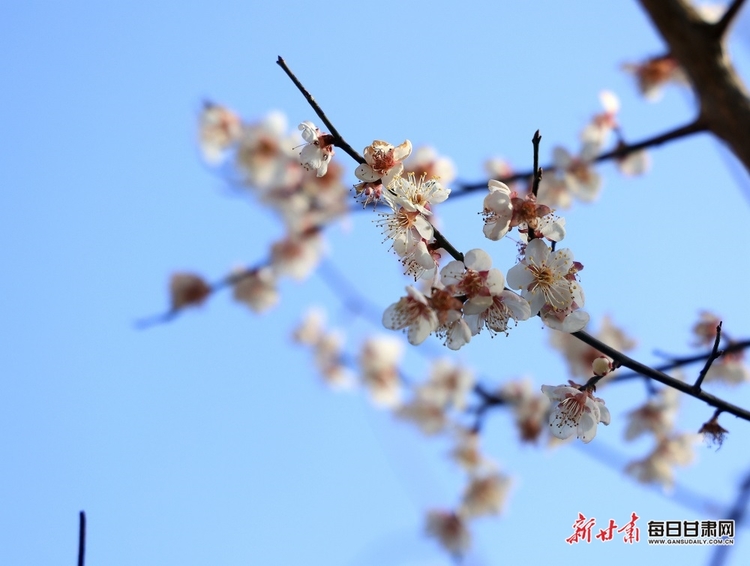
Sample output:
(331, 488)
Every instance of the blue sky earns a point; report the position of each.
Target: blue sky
(210, 440)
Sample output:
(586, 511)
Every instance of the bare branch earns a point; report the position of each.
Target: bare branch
(721, 28)
(722, 96)
(338, 140)
(81, 537)
(621, 359)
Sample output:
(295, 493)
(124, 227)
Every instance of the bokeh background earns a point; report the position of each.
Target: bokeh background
(210, 440)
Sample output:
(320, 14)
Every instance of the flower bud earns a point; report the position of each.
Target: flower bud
(602, 366)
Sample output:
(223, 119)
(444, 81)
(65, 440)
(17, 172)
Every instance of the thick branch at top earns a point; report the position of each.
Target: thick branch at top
(701, 50)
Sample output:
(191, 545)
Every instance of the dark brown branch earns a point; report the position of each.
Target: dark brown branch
(715, 353)
(536, 140)
(721, 28)
(81, 537)
(694, 127)
(722, 96)
(339, 141)
(442, 242)
(623, 360)
(685, 361)
(736, 513)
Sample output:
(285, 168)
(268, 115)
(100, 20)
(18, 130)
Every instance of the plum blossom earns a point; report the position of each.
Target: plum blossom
(257, 289)
(529, 408)
(264, 156)
(413, 312)
(450, 529)
(578, 172)
(467, 454)
(597, 131)
(485, 495)
(378, 361)
(675, 450)
(329, 361)
(410, 200)
(451, 324)
(383, 162)
(318, 151)
(297, 255)
(497, 211)
(544, 278)
(423, 411)
(415, 194)
(220, 128)
(654, 73)
(448, 384)
(488, 304)
(575, 411)
(656, 416)
(580, 356)
(426, 163)
(187, 289)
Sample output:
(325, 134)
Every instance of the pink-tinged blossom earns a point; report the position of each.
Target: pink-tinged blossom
(318, 151)
(328, 352)
(451, 325)
(264, 154)
(379, 366)
(654, 73)
(729, 369)
(426, 163)
(415, 194)
(497, 210)
(597, 131)
(450, 530)
(296, 256)
(634, 163)
(448, 384)
(187, 289)
(424, 412)
(657, 467)
(530, 408)
(310, 329)
(485, 495)
(467, 454)
(580, 355)
(543, 277)
(554, 192)
(220, 129)
(705, 329)
(405, 228)
(656, 416)
(257, 290)
(578, 172)
(414, 313)
(383, 162)
(575, 412)
(488, 304)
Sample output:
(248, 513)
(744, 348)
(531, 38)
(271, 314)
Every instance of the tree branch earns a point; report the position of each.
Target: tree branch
(337, 139)
(623, 360)
(700, 49)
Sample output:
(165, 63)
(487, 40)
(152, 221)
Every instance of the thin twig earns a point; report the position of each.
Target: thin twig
(693, 127)
(339, 141)
(536, 140)
(721, 28)
(81, 537)
(442, 242)
(715, 353)
(657, 375)
(680, 362)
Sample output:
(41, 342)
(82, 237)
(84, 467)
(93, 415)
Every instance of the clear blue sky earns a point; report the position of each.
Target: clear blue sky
(209, 440)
